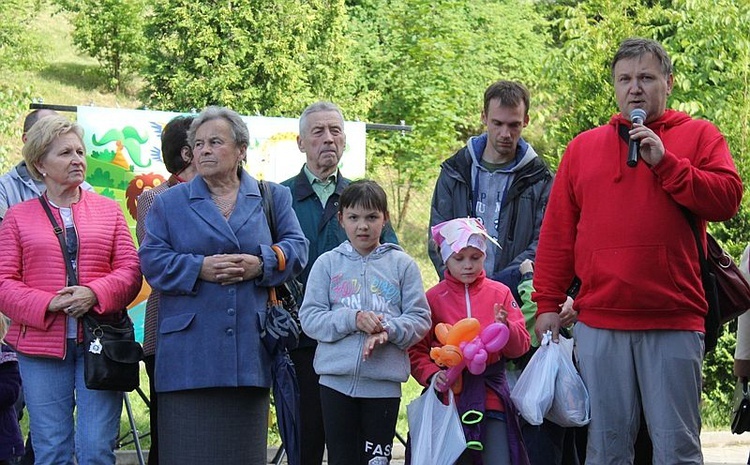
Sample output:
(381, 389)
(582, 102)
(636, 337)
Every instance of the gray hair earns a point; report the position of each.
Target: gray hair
(315, 108)
(636, 47)
(239, 129)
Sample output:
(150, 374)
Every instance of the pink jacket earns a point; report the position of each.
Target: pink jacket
(450, 301)
(32, 269)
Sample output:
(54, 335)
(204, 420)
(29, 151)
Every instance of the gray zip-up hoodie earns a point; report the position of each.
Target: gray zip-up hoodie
(343, 282)
(17, 186)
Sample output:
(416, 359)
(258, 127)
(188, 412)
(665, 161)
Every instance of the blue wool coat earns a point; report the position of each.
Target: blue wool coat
(208, 334)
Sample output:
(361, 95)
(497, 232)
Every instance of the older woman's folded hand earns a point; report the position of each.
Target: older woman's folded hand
(230, 268)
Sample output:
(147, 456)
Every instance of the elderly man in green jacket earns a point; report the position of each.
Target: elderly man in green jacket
(315, 200)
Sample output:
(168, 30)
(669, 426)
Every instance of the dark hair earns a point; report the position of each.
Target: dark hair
(636, 47)
(510, 94)
(173, 140)
(366, 194)
(34, 116)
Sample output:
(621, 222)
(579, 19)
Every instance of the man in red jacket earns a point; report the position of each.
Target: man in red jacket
(624, 232)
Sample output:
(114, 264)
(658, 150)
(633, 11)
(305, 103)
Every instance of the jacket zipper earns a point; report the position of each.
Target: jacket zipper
(362, 336)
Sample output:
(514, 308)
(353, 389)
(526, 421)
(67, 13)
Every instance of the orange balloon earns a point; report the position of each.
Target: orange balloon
(446, 356)
(464, 330)
(441, 332)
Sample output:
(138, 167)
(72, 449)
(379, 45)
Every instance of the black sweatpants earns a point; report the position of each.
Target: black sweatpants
(359, 431)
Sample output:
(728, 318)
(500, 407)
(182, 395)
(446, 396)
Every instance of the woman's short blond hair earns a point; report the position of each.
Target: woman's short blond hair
(40, 137)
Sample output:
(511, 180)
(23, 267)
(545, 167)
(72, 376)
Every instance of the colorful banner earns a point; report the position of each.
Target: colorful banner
(124, 157)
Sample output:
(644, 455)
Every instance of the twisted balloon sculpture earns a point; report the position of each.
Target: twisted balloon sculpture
(466, 345)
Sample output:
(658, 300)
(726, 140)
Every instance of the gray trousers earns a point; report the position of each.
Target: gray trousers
(659, 371)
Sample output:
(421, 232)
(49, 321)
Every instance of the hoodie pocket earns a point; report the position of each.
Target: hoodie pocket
(639, 277)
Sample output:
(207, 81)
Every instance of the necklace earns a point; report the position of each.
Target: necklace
(225, 203)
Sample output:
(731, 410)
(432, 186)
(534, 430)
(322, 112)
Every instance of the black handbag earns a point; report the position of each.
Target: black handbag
(111, 357)
(111, 354)
(741, 410)
(281, 327)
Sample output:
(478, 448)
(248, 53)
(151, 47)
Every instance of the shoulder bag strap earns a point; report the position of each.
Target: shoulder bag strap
(267, 196)
(693, 227)
(59, 233)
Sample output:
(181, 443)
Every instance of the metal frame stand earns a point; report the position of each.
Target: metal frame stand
(136, 436)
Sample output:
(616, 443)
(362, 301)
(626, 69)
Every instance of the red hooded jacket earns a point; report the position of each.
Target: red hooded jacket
(623, 231)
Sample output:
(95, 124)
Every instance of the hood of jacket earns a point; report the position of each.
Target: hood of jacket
(670, 119)
(347, 250)
(524, 152)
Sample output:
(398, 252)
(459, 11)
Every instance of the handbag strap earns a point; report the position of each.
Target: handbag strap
(265, 194)
(698, 242)
(59, 233)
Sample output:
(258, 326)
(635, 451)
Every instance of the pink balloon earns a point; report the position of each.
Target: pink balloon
(495, 336)
(479, 363)
(470, 349)
(452, 375)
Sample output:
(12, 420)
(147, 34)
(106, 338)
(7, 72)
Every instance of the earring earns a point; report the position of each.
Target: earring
(44, 175)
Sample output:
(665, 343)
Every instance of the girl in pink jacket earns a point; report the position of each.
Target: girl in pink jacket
(490, 420)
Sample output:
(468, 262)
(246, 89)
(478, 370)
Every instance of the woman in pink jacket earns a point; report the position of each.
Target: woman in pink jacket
(45, 306)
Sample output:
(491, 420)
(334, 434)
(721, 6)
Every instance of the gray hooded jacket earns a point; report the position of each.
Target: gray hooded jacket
(343, 282)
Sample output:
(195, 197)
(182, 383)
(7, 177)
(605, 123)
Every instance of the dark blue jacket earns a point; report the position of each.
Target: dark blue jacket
(321, 226)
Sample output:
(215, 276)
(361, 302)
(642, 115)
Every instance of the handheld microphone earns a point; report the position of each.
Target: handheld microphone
(638, 115)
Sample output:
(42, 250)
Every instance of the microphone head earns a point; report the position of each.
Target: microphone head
(638, 115)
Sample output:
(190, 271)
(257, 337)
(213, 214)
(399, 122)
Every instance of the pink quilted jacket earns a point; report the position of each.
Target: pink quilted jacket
(32, 269)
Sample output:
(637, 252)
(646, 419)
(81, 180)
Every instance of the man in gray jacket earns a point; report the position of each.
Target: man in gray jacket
(499, 179)
(17, 184)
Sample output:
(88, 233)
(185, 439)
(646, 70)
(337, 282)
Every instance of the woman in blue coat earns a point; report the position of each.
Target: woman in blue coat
(208, 251)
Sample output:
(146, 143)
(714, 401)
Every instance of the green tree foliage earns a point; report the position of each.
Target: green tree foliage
(17, 48)
(13, 105)
(430, 62)
(17, 51)
(110, 31)
(266, 57)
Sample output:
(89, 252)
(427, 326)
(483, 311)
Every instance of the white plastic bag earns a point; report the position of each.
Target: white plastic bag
(570, 406)
(535, 388)
(437, 437)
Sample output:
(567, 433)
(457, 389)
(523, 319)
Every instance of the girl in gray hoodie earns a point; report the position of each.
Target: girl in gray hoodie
(365, 305)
